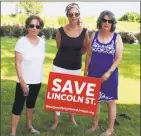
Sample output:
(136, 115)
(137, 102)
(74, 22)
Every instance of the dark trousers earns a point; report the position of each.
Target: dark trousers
(20, 98)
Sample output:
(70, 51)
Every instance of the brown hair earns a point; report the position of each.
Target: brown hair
(30, 18)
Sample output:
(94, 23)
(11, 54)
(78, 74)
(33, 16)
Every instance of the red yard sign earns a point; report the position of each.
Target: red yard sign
(71, 93)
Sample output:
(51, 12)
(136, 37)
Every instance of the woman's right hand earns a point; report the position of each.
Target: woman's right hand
(23, 86)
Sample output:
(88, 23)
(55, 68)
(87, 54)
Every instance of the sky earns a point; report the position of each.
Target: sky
(86, 8)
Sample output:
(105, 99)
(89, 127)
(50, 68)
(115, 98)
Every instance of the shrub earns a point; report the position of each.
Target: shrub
(19, 30)
(131, 17)
(138, 35)
(13, 31)
(129, 37)
(49, 33)
(12, 15)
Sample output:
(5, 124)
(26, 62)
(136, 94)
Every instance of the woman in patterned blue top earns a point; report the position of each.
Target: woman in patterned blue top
(102, 62)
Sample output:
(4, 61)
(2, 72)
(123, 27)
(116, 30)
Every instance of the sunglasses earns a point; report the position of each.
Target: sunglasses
(73, 14)
(105, 20)
(33, 26)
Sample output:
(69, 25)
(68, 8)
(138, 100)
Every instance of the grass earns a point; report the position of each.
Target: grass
(129, 96)
(120, 27)
(130, 26)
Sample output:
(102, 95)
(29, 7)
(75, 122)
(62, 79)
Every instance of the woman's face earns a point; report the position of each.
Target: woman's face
(106, 23)
(34, 27)
(73, 15)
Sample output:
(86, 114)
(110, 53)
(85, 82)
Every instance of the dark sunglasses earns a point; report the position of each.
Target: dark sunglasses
(105, 20)
(73, 14)
(37, 26)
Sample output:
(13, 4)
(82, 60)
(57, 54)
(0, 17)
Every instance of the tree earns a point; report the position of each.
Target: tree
(31, 7)
(131, 17)
(18, 10)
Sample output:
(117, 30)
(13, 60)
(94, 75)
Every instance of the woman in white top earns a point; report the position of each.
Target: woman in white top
(29, 58)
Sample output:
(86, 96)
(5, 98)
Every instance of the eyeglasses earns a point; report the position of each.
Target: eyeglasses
(73, 14)
(105, 20)
(33, 26)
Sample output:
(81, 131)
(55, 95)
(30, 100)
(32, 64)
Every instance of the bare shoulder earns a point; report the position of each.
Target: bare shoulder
(58, 31)
(65, 26)
(118, 38)
(119, 42)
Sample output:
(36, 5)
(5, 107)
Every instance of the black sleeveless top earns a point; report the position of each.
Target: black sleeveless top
(69, 54)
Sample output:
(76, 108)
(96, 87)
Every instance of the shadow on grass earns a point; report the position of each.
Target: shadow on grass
(129, 67)
(43, 120)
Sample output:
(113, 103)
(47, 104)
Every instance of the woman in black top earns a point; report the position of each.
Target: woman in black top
(72, 41)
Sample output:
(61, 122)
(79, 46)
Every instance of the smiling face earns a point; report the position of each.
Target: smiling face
(106, 23)
(73, 15)
(34, 27)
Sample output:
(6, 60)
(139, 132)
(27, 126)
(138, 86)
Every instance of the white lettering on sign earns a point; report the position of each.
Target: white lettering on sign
(78, 87)
(65, 97)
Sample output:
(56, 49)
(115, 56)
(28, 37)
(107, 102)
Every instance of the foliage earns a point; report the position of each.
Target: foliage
(16, 30)
(21, 19)
(13, 31)
(31, 7)
(19, 30)
(49, 33)
(131, 17)
(18, 19)
(62, 20)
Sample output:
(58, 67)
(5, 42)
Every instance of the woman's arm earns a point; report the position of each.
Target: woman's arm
(88, 55)
(118, 58)
(86, 43)
(18, 57)
(58, 39)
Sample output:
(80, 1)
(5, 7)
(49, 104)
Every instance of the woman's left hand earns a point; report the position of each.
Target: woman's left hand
(105, 76)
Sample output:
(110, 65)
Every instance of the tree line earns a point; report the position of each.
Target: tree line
(29, 8)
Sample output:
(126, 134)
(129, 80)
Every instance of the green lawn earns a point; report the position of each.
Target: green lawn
(129, 96)
(120, 27)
